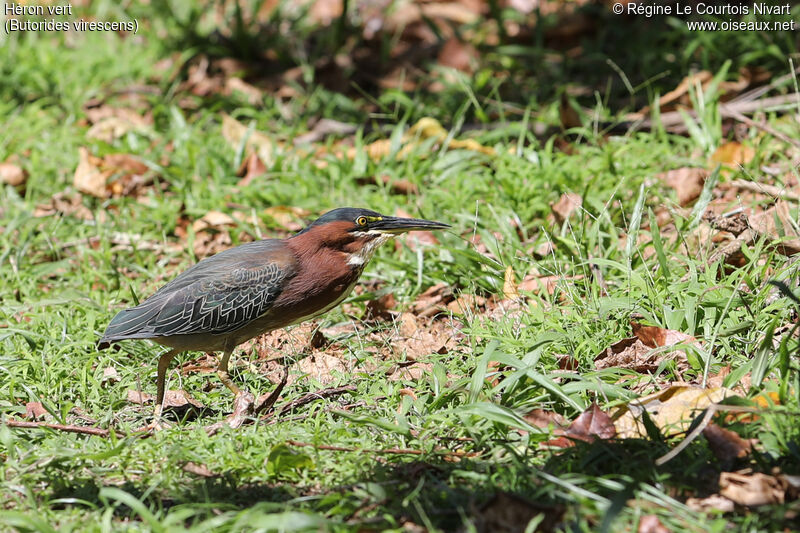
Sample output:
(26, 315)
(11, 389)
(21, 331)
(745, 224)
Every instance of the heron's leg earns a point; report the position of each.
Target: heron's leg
(163, 363)
(222, 372)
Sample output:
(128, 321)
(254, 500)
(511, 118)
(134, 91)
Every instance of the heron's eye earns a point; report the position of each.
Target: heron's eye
(361, 221)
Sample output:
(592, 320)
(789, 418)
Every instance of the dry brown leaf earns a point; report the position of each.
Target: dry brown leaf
(654, 336)
(287, 217)
(198, 470)
(536, 283)
(113, 175)
(251, 168)
(35, 410)
(671, 410)
(727, 445)
(434, 299)
(593, 423)
(257, 142)
(321, 366)
(733, 155)
(379, 308)
(110, 123)
(510, 284)
(458, 55)
(715, 502)
(88, 178)
(110, 375)
(650, 523)
(252, 94)
(12, 174)
(213, 220)
(752, 489)
(66, 204)
(687, 182)
(566, 206)
(425, 128)
(543, 419)
(409, 372)
(637, 353)
(175, 399)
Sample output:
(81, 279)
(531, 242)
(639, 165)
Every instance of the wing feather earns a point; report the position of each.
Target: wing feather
(216, 296)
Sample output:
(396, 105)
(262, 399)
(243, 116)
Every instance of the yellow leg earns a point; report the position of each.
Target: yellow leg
(163, 364)
(222, 372)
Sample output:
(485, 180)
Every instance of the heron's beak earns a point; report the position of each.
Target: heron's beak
(395, 225)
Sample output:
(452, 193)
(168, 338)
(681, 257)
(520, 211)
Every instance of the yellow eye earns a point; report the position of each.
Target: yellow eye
(361, 221)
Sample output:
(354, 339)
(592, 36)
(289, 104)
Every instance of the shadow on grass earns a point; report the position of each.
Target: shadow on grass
(588, 485)
(625, 61)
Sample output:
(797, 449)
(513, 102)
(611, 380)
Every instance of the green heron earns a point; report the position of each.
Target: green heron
(235, 295)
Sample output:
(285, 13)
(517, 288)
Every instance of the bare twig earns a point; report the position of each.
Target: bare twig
(385, 451)
(772, 190)
(85, 430)
(728, 110)
(318, 395)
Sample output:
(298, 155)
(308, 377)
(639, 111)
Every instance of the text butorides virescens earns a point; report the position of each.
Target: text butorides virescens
(235, 295)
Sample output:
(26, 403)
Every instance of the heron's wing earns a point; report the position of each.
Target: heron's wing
(218, 295)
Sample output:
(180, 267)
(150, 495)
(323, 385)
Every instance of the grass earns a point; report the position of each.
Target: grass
(63, 277)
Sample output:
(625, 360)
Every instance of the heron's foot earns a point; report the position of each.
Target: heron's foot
(243, 405)
(157, 424)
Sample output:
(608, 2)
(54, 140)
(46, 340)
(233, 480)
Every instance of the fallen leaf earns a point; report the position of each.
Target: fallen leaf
(510, 284)
(252, 94)
(566, 206)
(650, 523)
(110, 375)
(110, 123)
(35, 410)
(12, 174)
(686, 181)
(255, 141)
(113, 175)
(379, 308)
(726, 445)
(671, 410)
(251, 168)
(321, 366)
(590, 425)
(198, 470)
(536, 283)
(715, 502)
(67, 204)
(88, 178)
(543, 419)
(733, 154)
(288, 217)
(458, 55)
(637, 353)
(752, 489)
(172, 399)
(213, 220)
(409, 372)
(432, 300)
